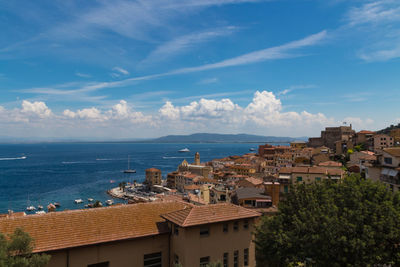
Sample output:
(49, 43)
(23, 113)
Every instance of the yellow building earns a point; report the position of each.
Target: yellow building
(153, 176)
(142, 235)
(243, 169)
(298, 144)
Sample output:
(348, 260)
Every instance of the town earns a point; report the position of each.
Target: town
(260, 180)
(206, 212)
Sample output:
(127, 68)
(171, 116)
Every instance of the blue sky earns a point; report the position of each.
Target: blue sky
(137, 69)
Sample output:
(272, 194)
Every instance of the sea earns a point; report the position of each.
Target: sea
(39, 174)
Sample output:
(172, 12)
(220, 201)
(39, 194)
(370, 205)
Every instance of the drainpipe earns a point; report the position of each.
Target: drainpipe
(67, 257)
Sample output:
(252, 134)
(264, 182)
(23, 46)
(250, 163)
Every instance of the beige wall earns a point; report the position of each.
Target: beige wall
(190, 246)
(119, 254)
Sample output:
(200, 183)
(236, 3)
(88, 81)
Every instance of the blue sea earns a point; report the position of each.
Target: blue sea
(39, 174)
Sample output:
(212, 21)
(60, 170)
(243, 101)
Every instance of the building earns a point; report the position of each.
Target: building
(310, 174)
(153, 176)
(389, 166)
(365, 137)
(395, 133)
(196, 168)
(298, 144)
(382, 141)
(171, 177)
(242, 169)
(142, 235)
(251, 197)
(331, 135)
(204, 234)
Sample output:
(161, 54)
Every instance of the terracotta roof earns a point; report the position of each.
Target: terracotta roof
(394, 151)
(335, 172)
(66, 229)
(199, 215)
(251, 192)
(152, 170)
(366, 132)
(254, 181)
(330, 163)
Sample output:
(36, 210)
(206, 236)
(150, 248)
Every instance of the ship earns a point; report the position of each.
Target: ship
(129, 170)
(184, 150)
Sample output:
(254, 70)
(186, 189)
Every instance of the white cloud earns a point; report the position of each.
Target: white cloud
(359, 123)
(121, 70)
(295, 87)
(264, 115)
(378, 22)
(265, 111)
(183, 43)
(272, 53)
(82, 75)
(36, 108)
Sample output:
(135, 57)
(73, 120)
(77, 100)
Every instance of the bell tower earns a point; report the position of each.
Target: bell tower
(197, 158)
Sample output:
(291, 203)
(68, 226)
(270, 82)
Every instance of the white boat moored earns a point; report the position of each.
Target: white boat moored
(78, 201)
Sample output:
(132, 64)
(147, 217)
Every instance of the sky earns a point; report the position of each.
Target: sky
(147, 68)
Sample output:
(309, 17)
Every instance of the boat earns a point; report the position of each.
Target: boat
(252, 149)
(56, 204)
(40, 207)
(184, 150)
(30, 208)
(40, 212)
(109, 202)
(78, 201)
(129, 170)
(90, 199)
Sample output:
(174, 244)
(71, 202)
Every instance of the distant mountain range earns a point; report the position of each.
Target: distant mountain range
(223, 138)
(192, 138)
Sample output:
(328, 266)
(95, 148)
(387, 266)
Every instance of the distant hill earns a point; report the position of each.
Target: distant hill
(224, 138)
(388, 129)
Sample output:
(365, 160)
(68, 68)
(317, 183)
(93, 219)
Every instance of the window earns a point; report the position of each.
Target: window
(176, 229)
(225, 227)
(236, 258)
(246, 224)
(299, 179)
(176, 259)
(236, 226)
(286, 189)
(388, 160)
(248, 202)
(225, 259)
(204, 261)
(152, 260)
(318, 179)
(246, 257)
(101, 264)
(204, 231)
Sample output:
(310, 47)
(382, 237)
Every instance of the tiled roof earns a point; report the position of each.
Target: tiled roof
(199, 215)
(394, 151)
(251, 192)
(66, 229)
(366, 132)
(152, 170)
(330, 163)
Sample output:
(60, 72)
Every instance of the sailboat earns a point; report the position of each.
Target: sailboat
(129, 170)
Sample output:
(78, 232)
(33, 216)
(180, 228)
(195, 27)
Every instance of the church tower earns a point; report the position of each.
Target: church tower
(197, 159)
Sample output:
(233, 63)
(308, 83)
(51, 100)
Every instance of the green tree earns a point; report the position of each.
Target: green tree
(16, 251)
(351, 223)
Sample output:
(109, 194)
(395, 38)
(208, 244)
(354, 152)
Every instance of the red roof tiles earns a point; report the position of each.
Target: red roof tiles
(198, 215)
(66, 229)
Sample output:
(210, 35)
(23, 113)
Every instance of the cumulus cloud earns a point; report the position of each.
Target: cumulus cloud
(36, 108)
(265, 114)
(264, 111)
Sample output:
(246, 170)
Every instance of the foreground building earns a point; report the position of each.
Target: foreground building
(142, 235)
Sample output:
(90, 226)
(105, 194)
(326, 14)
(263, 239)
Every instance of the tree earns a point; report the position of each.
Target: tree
(351, 223)
(16, 251)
